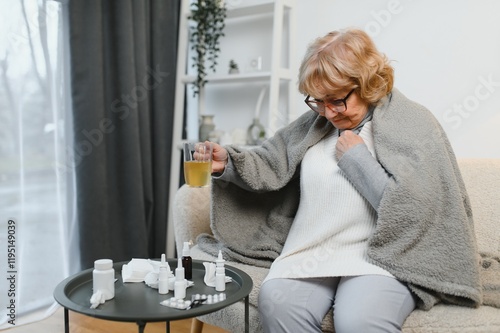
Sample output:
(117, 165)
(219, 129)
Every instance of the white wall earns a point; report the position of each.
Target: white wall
(446, 56)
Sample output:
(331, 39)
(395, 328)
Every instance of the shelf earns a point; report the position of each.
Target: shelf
(243, 77)
(277, 79)
(247, 11)
(244, 11)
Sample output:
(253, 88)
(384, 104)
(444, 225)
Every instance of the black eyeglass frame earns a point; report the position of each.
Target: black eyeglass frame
(333, 102)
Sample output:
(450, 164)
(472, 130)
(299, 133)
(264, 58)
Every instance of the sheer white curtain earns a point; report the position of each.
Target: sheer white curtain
(37, 228)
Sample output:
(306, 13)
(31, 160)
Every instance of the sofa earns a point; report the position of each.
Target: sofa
(482, 179)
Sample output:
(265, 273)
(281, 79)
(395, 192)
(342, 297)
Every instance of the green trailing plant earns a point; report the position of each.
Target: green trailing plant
(233, 66)
(209, 16)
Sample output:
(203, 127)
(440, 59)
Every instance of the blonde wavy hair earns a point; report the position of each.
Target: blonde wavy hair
(345, 60)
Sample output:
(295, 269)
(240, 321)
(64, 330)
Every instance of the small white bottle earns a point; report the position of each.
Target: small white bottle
(220, 273)
(103, 278)
(163, 276)
(180, 283)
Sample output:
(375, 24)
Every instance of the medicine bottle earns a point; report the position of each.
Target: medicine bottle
(163, 276)
(103, 278)
(220, 273)
(180, 282)
(187, 262)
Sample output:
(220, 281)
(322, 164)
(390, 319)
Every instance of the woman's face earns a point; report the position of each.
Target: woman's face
(352, 116)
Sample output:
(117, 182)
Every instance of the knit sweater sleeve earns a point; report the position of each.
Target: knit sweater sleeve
(365, 172)
(229, 175)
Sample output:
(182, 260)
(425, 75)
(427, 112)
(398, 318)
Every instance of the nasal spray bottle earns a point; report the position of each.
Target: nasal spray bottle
(180, 282)
(220, 273)
(187, 262)
(163, 276)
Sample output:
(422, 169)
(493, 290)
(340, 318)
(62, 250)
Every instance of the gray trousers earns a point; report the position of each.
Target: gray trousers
(368, 303)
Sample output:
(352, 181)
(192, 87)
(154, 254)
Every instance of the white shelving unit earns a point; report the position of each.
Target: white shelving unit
(278, 74)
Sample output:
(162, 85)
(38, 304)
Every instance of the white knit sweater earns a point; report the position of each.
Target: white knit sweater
(329, 236)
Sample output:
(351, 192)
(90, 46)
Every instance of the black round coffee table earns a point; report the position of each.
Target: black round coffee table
(136, 302)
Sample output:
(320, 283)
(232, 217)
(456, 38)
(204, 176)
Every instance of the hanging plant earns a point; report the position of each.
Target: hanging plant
(209, 16)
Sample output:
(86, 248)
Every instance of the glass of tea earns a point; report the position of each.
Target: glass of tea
(197, 163)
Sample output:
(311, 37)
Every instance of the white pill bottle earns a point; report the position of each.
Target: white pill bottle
(103, 278)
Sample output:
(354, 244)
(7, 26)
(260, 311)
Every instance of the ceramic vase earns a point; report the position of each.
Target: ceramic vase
(206, 126)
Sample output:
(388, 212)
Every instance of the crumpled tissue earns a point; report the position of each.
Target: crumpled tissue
(209, 277)
(100, 296)
(136, 270)
(96, 299)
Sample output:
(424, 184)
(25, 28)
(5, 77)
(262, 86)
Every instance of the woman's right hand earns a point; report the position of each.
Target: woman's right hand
(219, 158)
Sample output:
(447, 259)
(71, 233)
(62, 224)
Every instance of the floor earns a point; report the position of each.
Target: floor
(84, 324)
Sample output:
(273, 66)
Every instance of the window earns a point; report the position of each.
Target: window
(35, 173)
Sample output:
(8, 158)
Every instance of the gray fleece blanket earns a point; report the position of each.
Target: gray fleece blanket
(424, 233)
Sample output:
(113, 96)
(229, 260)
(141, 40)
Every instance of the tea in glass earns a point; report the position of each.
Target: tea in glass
(197, 163)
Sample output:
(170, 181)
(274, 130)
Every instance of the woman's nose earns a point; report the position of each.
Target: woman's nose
(330, 112)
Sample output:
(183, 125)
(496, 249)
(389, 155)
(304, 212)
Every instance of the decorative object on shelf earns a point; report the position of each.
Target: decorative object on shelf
(255, 64)
(256, 132)
(239, 136)
(233, 67)
(207, 126)
(209, 16)
(215, 136)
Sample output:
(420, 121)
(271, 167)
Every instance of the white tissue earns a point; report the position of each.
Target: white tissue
(136, 270)
(209, 277)
(151, 279)
(96, 299)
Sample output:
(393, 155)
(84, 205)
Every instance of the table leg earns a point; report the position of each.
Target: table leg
(66, 320)
(167, 326)
(141, 325)
(247, 315)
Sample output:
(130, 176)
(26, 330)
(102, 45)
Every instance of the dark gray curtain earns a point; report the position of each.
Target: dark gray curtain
(123, 59)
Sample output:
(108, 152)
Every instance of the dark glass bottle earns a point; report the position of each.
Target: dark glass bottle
(187, 262)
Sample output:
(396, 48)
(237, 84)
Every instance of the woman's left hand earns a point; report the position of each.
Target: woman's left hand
(346, 141)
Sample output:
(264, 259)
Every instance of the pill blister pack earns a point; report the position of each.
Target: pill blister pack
(196, 300)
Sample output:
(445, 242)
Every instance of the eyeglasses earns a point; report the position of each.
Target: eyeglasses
(337, 105)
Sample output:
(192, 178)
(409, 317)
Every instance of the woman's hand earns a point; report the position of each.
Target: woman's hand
(219, 158)
(346, 141)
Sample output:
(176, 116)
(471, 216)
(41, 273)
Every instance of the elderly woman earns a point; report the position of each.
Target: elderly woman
(358, 204)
